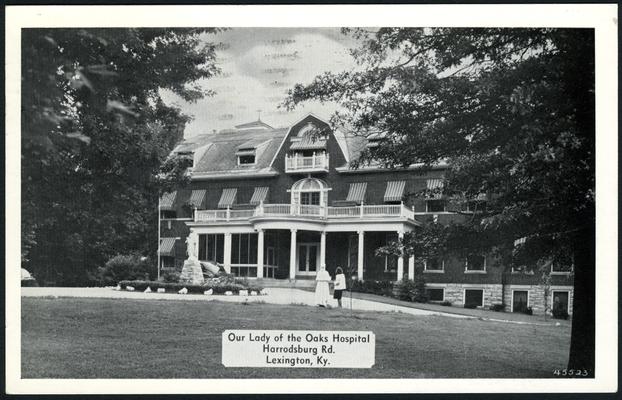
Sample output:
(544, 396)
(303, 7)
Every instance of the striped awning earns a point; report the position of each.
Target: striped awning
(395, 191)
(227, 198)
(357, 192)
(167, 200)
(167, 246)
(196, 198)
(435, 186)
(309, 142)
(260, 194)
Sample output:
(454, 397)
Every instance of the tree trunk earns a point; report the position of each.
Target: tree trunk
(582, 341)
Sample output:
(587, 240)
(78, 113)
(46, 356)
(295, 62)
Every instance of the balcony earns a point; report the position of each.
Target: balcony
(301, 164)
(353, 213)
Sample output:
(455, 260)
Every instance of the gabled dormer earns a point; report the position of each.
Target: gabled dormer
(311, 147)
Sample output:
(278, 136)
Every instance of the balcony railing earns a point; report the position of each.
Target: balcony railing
(307, 211)
(298, 163)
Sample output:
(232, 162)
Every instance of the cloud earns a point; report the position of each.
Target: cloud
(259, 66)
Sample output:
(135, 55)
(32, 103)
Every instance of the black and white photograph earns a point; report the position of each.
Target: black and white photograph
(278, 201)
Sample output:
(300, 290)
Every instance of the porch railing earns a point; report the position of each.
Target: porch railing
(297, 163)
(308, 211)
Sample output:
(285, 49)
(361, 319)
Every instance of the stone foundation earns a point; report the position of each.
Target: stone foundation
(536, 297)
(454, 292)
(497, 294)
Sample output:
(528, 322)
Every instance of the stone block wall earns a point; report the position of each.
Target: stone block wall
(454, 292)
(536, 297)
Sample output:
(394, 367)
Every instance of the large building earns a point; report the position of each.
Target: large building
(278, 203)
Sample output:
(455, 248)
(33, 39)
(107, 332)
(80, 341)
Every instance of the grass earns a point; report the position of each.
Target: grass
(112, 338)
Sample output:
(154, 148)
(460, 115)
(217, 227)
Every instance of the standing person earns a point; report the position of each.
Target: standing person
(321, 288)
(340, 285)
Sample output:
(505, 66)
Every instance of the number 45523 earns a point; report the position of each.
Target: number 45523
(570, 372)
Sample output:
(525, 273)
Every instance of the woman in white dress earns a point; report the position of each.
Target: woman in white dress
(321, 289)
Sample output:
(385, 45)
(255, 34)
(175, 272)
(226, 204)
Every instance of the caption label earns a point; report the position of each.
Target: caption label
(298, 349)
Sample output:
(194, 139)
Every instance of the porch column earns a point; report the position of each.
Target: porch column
(227, 251)
(260, 253)
(323, 249)
(411, 267)
(400, 259)
(359, 259)
(292, 255)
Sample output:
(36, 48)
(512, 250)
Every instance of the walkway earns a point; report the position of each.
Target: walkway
(284, 296)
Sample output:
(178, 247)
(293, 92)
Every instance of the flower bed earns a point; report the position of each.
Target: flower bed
(217, 286)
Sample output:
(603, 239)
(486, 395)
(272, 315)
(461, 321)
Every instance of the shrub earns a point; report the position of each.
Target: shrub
(470, 305)
(170, 275)
(124, 267)
(446, 303)
(412, 290)
(559, 312)
(382, 288)
(528, 311)
(497, 307)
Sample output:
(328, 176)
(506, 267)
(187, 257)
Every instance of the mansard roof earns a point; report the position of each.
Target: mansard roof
(216, 153)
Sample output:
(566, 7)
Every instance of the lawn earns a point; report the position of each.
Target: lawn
(112, 338)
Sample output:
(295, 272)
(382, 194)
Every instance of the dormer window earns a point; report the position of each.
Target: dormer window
(246, 156)
(246, 159)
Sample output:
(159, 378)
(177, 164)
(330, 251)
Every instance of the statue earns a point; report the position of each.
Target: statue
(192, 272)
(191, 246)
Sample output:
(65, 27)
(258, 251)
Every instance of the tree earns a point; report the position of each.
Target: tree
(95, 133)
(512, 111)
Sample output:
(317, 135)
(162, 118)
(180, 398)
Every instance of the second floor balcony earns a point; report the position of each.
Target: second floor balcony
(353, 213)
(297, 163)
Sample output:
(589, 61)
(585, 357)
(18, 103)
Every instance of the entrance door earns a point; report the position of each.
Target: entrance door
(308, 256)
(519, 301)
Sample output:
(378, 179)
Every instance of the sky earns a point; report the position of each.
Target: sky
(258, 66)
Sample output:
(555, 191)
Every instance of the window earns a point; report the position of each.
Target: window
(246, 160)
(435, 294)
(561, 300)
(434, 264)
(475, 263)
(310, 198)
(523, 269)
(520, 300)
(558, 268)
(211, 247)
(244, 248)
(167, 262)
(435, 205)
(168, 214)
(390, 263)
(474, 297)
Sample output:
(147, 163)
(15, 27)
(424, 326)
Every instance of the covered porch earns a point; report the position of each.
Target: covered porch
(297, 254)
